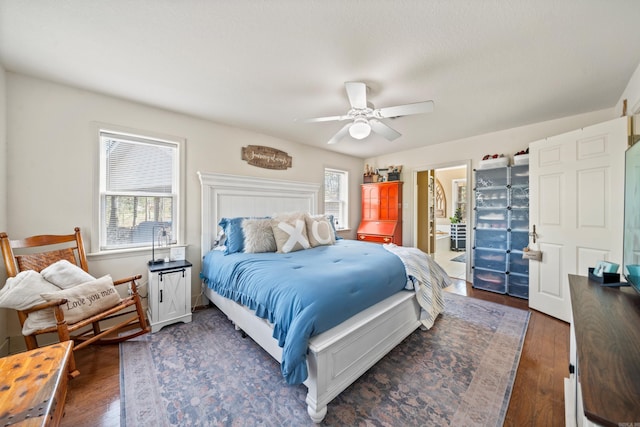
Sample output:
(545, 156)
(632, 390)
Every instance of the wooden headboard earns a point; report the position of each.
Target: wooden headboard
(232, 196)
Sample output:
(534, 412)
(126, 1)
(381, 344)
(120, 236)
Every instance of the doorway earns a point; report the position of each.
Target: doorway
(442, 216)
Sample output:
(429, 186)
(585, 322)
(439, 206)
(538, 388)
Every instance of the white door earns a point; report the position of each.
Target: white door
(576, 205)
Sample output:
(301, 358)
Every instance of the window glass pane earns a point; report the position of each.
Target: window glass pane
(138, 190)
(129, 220)
(335, 196)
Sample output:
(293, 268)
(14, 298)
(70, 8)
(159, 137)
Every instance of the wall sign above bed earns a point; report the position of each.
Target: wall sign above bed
(266, 157)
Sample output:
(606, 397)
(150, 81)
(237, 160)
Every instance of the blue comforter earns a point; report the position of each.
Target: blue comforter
(307, 292)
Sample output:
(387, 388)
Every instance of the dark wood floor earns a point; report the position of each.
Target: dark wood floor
(537, 398)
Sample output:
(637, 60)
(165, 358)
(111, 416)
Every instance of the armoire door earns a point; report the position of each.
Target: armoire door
(370, 202)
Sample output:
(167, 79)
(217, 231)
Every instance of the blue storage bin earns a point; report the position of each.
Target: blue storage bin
(519, 219)
(517, 264)
(492, 198)
(491, 260)
(520, 175)
(489, 280)
(518, 279)
(491, 178)
(519, 197)
(492, 218)
(491, 238)
(519, 240)
(519, 291)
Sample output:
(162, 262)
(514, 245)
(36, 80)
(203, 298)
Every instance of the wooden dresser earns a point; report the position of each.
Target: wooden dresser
(33, 386)
(604, 387)
(381, 220)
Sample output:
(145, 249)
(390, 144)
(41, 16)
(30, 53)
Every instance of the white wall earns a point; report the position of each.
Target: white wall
(4, 345)
(632, 95)
(474, 148)
(51, 164)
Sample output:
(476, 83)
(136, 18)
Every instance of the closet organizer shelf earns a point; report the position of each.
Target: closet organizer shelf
(501, 230)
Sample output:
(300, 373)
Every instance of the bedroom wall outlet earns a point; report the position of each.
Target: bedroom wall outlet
(177, 253)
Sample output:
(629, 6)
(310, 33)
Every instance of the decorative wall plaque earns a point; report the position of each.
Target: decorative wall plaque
(266, 157)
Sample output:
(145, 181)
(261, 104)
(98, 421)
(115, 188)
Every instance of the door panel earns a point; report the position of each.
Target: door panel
(551, 187)
(592, 184)
(549, 283)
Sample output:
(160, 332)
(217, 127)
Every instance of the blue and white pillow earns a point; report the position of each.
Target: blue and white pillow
(234, 237)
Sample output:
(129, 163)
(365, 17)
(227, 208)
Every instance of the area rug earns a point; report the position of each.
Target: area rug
(458, 373)
(460, 258)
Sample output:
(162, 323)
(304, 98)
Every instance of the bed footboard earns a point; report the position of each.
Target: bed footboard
(342, 354)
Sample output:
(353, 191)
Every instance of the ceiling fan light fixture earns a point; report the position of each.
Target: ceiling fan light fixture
(360, 129)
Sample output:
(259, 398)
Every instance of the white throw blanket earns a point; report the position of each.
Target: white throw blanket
(426, 277)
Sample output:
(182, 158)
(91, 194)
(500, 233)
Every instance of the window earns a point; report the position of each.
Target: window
(336, 196)
(139, 190)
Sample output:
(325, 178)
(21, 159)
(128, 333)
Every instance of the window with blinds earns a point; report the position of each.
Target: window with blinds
(139, 186)
(336, 196)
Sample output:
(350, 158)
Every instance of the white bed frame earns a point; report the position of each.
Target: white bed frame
(336, 357)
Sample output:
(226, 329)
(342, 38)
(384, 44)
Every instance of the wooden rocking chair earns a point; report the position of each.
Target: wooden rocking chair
(37, 253)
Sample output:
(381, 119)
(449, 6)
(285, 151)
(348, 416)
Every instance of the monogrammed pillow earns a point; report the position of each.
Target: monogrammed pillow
(320, 230)
(290, 232)
(86, 299)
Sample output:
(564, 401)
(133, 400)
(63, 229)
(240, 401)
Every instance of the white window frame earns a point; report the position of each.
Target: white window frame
(98, 244)
(342, 219)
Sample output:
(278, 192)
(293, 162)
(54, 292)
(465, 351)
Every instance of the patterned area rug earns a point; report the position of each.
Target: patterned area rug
(459, 373)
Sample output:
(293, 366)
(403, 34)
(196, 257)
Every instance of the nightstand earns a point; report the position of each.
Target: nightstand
(169, 293)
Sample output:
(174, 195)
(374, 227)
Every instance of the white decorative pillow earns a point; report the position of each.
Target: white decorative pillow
(290, 232)
(258, 236)
(23, 291)
(86, 299)
(66, 275)
(320, 230)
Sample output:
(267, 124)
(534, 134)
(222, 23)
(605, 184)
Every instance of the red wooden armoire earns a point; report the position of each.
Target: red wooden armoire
(381, 213)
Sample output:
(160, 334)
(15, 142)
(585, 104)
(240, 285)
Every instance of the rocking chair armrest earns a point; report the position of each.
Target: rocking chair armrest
(44, 305)
(133, 287)
(127, 280)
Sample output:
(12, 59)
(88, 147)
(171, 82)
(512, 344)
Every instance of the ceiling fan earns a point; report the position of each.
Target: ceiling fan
(364, 117)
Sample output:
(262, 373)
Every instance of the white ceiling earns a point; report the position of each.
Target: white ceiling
(487, 64)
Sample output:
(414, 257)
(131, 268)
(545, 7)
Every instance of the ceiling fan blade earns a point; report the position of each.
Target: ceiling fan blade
(326, 119)
(357, 93)
(407, 109)
(341, 134)
(380, 128)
